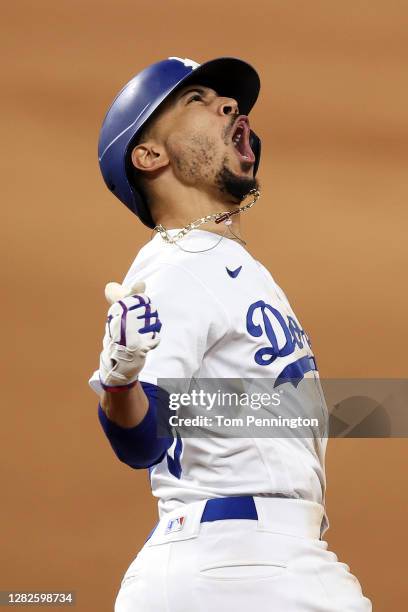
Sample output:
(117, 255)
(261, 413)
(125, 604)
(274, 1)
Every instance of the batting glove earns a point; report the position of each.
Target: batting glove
(132, 330)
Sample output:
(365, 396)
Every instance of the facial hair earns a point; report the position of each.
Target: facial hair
(234, 185)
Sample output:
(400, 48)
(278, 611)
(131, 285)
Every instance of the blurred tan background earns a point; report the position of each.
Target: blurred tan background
(331, 226)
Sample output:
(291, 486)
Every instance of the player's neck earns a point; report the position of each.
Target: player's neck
(176, 210)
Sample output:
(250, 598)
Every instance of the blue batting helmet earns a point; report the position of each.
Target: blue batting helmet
(143, 95)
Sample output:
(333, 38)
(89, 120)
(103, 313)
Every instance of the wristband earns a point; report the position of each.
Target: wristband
(118, 388)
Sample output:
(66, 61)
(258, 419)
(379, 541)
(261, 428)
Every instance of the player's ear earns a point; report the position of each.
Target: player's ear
(149, 156)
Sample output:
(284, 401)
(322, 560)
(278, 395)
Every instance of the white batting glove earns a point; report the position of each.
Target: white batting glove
(132, 330)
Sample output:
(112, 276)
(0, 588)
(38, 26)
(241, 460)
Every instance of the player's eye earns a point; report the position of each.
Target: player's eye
(195, 98)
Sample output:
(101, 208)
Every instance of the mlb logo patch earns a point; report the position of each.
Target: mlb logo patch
(175, 524)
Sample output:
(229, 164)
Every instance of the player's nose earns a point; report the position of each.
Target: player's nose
(227, 106)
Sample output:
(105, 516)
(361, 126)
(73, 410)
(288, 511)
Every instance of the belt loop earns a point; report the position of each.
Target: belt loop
(260, 510)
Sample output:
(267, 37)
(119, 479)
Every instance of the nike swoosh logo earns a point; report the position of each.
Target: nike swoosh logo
(233, 273)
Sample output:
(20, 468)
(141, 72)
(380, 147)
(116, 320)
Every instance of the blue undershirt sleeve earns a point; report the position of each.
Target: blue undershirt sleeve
(140, 446)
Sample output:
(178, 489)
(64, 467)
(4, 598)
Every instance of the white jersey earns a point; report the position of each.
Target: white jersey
(224, 316)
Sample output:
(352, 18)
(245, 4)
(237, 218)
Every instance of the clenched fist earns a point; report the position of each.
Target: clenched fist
(132, 330)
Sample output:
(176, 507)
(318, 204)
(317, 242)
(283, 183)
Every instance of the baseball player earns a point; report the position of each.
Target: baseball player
(241, 518)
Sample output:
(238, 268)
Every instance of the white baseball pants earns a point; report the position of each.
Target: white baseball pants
(275, 563)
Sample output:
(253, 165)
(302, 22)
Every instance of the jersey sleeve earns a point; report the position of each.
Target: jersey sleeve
(192, 319)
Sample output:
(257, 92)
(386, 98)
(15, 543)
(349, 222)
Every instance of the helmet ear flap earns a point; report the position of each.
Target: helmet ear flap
(255, 144)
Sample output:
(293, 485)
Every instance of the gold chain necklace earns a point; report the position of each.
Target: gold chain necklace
(217, 217)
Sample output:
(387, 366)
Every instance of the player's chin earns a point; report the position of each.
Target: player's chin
(235, 182)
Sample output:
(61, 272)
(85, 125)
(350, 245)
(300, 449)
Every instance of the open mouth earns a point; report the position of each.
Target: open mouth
(240, 140)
